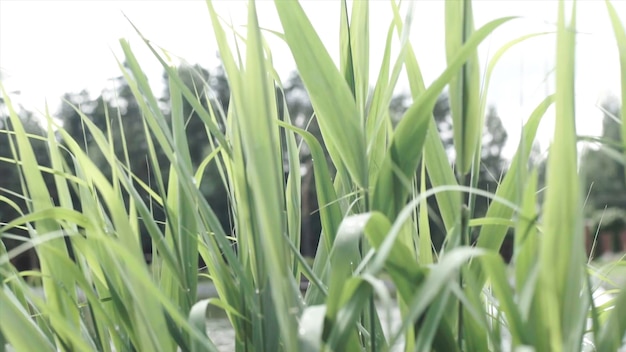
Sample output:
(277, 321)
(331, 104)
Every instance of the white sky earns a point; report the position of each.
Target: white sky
(51, 47)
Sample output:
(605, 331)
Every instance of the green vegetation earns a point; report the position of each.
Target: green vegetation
(370, 172)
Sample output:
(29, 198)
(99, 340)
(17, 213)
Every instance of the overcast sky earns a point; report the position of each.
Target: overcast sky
(51, 47)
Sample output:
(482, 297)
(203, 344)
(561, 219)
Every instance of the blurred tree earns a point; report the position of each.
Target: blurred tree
(493, 165)
(602, 167)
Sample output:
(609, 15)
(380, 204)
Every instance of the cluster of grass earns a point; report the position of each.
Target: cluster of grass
(374, 215)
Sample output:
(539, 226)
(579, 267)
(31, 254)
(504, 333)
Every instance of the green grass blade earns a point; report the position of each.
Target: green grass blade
(378, 124)
(611, 336)
(425, 244)
(346, 63)
(261, 149)
(359, 45)
(495, 268)
(37, 190)
(330, 95)
(347, 296)
(181, 227)
(330, 212)
(464, 88)
(439, 277)
(344, 258)
(563, 226)
(311, 328)
(406, 146)
(437, 165)
(22, 333)
(526, 242)
(293, 192)
(197, 317)
(491, 236)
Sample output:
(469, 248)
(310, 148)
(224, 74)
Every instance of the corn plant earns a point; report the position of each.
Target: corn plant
(374, 216)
